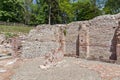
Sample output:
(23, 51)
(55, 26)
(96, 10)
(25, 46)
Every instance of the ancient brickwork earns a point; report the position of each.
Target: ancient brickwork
(83, 41)
(101, 32)
(15, 46)
(117, 43)
(72, 37)
(93, 39)
(41, 41)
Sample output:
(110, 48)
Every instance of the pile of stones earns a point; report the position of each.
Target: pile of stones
(5, 47)
(10, 47)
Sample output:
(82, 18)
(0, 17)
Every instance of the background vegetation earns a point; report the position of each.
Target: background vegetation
(14, 29)
(34, 12)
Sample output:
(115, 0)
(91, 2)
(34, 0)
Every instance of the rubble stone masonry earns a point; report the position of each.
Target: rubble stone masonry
(92, 39)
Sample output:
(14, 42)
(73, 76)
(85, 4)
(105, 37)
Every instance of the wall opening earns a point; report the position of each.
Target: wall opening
(77, 46)
(115, 44)
(113, 48)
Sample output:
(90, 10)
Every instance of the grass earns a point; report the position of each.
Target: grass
(15, 29)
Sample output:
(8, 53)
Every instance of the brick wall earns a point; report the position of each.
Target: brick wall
(41, 41)
(93, 38)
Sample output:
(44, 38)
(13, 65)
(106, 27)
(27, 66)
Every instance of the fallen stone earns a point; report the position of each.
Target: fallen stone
(2, 70)
(2, 38)
(11, 62)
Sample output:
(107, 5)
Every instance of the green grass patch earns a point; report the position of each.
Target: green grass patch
(10, 35)
(15, 29)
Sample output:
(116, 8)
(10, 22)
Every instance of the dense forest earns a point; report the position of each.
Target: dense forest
(33, 12)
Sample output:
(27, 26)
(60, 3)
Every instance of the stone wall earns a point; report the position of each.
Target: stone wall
(101, 32)
(41, 41)
(87, 39)
(72, 30)
(100, 43)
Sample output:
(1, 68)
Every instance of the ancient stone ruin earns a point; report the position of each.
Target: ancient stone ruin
(9, 47)
(43, 40)
(96, 39)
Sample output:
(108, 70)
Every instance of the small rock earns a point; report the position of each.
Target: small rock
(2, 70)
(2, 38)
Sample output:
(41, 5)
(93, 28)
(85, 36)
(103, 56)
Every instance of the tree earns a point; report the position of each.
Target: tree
(36, 12)
(11, 10)
(86, 10)
(112, 6)
(46, 11)
(100, 3)
(67, 10)
(27, 12)
(53, 10)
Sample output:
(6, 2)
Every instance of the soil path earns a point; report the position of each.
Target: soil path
(68, 69)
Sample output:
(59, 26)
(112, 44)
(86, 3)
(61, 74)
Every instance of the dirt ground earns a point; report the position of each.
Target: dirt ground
(7, 67)
(68, 69)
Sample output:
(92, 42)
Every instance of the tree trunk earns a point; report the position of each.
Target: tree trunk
(49, 14)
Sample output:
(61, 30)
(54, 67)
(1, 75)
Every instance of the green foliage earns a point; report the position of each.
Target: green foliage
(67, 10)
(112, 7)
(53, 11)
(10, 35)
(14, 29)
(85, 11)
(65, 32)
(11, 10)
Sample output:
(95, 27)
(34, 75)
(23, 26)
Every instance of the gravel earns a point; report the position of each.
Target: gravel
(66, 70)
